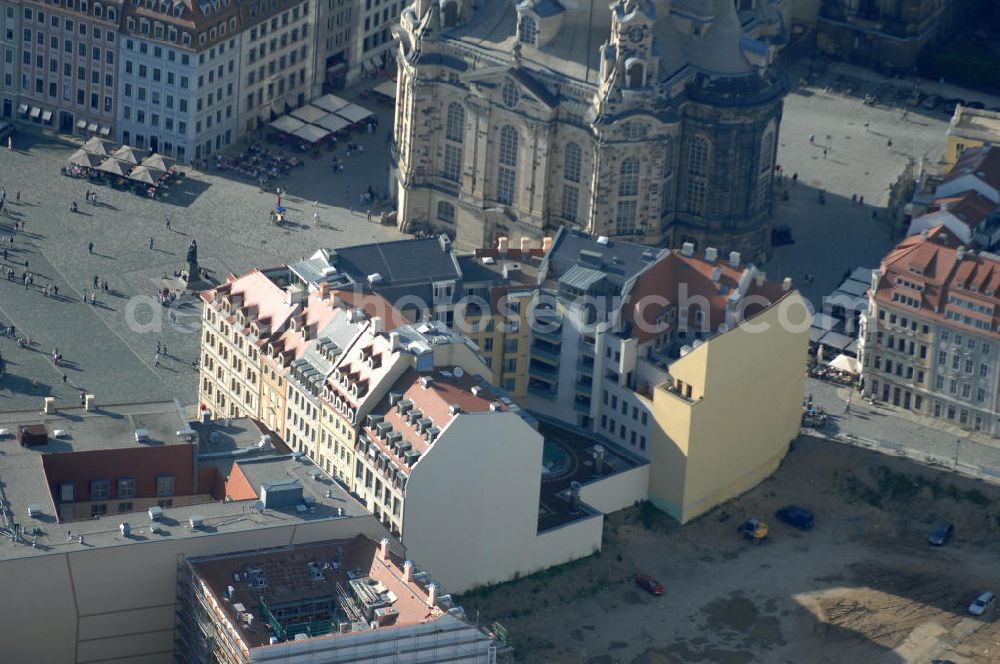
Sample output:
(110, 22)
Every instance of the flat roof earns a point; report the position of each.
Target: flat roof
(975, 123)
(322, 577)
(111, 427)
(569, 457)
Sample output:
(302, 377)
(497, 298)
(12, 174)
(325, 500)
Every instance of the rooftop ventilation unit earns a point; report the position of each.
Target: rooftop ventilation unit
(142, 435)
(374, 278)
(604, 240)
(34, 510)
(196, 521)
(155, 513)
(454, 409)
(125, 528)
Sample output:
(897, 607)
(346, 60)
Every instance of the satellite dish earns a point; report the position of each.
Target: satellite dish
(259, 506)
(459, 372)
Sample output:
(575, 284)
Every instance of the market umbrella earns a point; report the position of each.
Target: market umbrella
(159, 162)
(127, 154)
(97, 146)
(146, 174)
(86, 159)
(115, 167)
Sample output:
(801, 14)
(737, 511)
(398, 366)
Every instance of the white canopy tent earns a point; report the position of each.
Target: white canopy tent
(287, 124)
(330, 103)
(845, 363)
(386, 88)
(311, 133)
(308, 113)
(354, 113)
(332, 122)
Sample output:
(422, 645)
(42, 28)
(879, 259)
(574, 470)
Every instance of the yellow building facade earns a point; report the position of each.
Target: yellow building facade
(970, 128)
(718, 433)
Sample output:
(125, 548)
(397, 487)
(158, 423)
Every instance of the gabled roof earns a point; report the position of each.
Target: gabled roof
(982, 163)
(970, 207)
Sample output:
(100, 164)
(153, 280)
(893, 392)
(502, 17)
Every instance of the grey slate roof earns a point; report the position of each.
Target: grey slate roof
(618, 260)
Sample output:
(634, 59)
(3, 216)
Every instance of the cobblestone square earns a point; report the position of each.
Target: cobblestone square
(109, 348)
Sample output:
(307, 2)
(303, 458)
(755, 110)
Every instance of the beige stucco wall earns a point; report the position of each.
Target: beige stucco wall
(574, 540)
(472, 502)
(745, 409)
(83, 604)
(616, 492)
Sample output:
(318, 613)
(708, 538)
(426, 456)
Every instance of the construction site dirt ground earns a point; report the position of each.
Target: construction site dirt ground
(862, 586)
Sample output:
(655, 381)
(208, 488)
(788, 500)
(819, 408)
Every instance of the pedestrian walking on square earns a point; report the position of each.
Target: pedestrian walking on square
(824, 153)
(315, 217)
(150, 241)
(17, 196)
(95, 281)
(854, 199)
(65, 378)
(157, 347)
(156, 360)
(90, 247)
(165, 354)
(861, 200)
(168, 223)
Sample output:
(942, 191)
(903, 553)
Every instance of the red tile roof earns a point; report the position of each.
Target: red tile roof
(678, 278)
(927, 275)
(982, 163)
(970, 207)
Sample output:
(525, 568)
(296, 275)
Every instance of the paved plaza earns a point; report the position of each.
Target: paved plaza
(109, 348)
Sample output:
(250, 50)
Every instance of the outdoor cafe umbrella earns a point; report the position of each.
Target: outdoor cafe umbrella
(158, 162)
(97, 146)
(115, 167)
(146, 174)
(85, 159)
(127, 154)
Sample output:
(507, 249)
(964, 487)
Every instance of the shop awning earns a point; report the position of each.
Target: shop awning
(330, 103)
(311, 133)
(332, 122)
(308, 113)
(22, 109)
(386, 89)
(35, 111)
(81, 124)
(287, 124)
(46, 116)
(146, 174)
(92, 127)
(354, 113)
(105, 131)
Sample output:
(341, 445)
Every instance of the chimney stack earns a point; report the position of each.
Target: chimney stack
(960, 253)
(734, 259)
(323, 290)
(598, 460)
(546, 243)
(337, 300)
(376, 324)
(760, 277)
(425, 381)
(786, 284)
(48, 404)
(394, 341)
(88, 402)
(687, 249)
(383, 549)
(574, 497)
(711, 254)
(716, 273)
(502, 244)
(408, 571)
(432, 594)
(924, 234)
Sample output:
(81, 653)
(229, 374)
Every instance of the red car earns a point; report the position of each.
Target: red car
(649, 584)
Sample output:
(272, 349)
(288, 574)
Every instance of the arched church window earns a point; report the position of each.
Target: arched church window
(529, 31)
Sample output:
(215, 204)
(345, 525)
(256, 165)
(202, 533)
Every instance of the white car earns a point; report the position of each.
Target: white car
(983, 604)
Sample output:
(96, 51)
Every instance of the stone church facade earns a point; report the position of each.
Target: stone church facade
(653, 121)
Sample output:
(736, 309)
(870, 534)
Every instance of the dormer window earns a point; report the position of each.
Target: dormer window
(528, 31)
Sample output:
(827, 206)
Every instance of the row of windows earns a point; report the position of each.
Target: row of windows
(68, 43)
(67, 70)
(98, 12)
(101, 489)
(623, 433)
(155, 97)
(81, 49)
(53, 92)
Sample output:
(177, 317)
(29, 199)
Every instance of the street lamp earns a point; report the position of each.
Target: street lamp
(958, 443)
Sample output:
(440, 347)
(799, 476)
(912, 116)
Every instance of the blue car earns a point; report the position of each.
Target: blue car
(798, 517)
